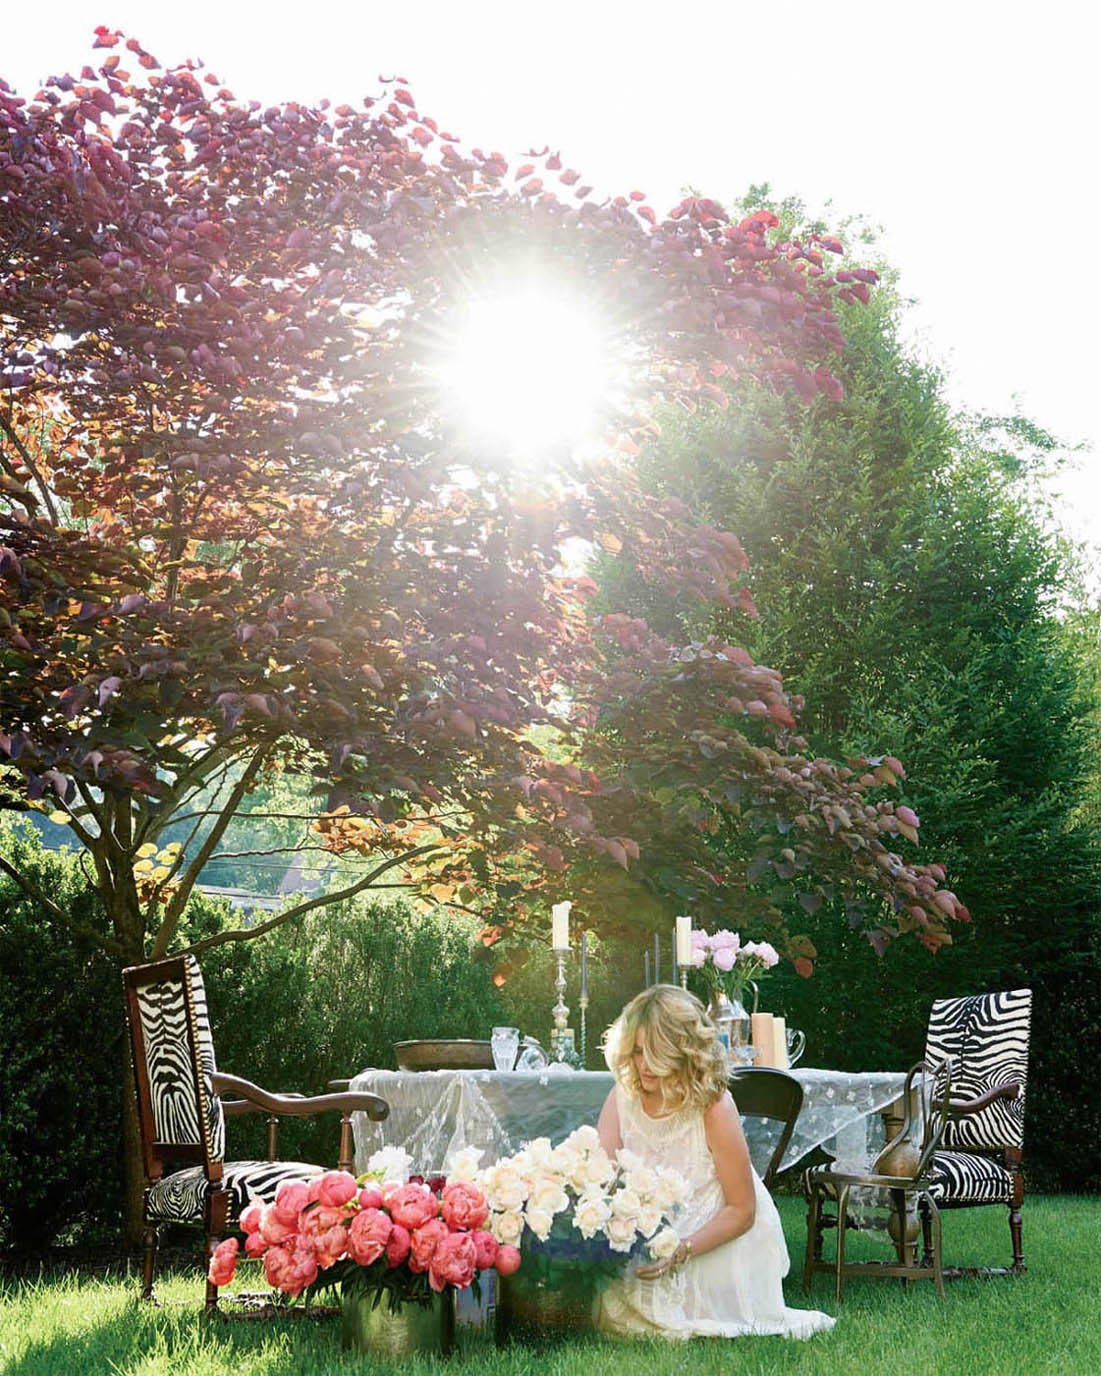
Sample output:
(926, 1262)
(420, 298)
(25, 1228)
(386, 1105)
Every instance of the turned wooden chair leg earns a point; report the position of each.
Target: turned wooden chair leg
(217, 1210)
(926, 1232)
(148, 1261)
(931, 1216)
(842, 1211)
(814, 1240)
(1015, 1233)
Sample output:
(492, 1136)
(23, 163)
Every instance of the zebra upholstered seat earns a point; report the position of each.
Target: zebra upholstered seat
(182, 1119)
(986, 1037)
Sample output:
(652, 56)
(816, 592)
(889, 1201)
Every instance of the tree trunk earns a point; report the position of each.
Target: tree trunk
(133, 1169)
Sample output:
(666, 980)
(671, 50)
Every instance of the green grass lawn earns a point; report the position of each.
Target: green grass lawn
(1046, 1321)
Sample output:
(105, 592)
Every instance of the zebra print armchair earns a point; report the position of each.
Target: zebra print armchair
(979, 1161)
(182, 1119)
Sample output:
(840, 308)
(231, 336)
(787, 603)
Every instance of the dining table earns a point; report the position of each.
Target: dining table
(435, 1114)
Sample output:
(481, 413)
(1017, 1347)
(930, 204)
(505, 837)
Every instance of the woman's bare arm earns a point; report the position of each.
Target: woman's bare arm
(726, 1141)
(607, 1126)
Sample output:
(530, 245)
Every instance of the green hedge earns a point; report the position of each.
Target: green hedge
(290, 1010)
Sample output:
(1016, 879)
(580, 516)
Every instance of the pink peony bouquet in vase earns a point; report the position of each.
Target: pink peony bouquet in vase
(379, 1234)
(727, 964)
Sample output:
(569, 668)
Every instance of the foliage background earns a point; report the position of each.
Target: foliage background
(910, 586)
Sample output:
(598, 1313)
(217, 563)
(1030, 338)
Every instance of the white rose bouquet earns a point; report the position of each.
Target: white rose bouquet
(577, 1214)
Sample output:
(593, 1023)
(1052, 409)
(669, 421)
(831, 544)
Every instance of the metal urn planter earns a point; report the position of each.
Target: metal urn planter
(405, 1331)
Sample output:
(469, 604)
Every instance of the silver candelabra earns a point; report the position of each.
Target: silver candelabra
(560, 1012)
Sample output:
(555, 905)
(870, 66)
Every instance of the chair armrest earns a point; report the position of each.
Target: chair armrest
(966, 1106)
(297, 1106)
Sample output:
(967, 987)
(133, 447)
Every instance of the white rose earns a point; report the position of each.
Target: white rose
(621, 1234)
(539, 1154)
(642, 1180)
(390, 1165)
(539, 1221)
(465, 1165)
(596, 1169)
(628, 1161)
(670, 1189)
(507, 1227)
(565, 1160)
(547, 1194)
(664, 1245)
(584, 1138)
(649, 1220)
(507, 1190)
(590, 1215)
(626, 1204)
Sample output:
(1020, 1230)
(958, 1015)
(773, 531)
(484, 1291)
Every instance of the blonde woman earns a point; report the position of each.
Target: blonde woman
(671, 1107)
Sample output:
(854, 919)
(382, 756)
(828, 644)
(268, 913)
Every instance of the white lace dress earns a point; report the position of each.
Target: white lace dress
(734, 1289)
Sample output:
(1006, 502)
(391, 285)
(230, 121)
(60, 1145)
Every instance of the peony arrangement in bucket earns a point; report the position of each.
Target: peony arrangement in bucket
(377, 1234)
(726, 964)
(577, 1214)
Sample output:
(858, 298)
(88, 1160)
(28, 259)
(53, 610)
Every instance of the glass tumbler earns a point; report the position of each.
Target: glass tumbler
(504, 1043)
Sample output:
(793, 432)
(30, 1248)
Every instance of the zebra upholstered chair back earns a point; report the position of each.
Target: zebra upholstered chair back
(986, 1036)
(182, 1117)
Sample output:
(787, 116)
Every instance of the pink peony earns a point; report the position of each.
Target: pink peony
(327, 1247)
(303, 1270)
(508, 1260)
(370, 1197)
(724, 957)
(412, 1206)
(336, 1188)
(463, 1206)
(397, 1249)
(272, 1228)
(452, 1262)
(290, 1200)
(223, 1262)
(725, 941)
(424, 1242)
(250, 1219)
(255, 1246)
(278, 1264)
(485, 1250)
(368, 1236)
(318, 1219)
(290, 1270)
(762, 951)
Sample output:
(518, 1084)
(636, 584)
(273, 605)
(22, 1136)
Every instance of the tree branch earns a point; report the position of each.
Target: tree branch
(5, 425)
(324, 900)
(57, 912)
(175, 908)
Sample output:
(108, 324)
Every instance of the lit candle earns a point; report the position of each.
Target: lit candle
(646, 958)
(657, 958)
(584, 966)
(684, 942)
(560, 926)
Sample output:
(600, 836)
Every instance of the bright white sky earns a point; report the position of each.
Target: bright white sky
(966, 129)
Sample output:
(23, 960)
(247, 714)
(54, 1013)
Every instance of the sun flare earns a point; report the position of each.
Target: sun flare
(530, 370)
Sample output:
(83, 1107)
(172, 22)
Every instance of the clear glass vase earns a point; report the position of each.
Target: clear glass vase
(734, 1027)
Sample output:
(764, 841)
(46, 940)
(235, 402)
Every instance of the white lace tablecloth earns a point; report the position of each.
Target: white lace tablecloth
(435, 1113)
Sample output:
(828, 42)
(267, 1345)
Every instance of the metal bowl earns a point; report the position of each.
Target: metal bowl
(446, 1054)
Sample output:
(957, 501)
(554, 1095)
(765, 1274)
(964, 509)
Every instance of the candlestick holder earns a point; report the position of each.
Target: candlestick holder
(560, 1013)
(583, 1003)
(684, 978)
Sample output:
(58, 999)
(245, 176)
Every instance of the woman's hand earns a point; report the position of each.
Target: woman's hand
(667, 1265)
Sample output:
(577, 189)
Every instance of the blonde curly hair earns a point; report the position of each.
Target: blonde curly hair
(681, 1047)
